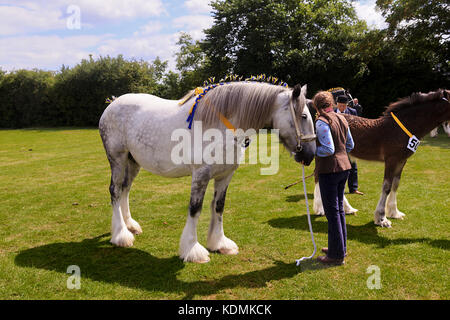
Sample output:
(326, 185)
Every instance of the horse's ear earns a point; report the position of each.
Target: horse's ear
(304, 90)
(296, 92)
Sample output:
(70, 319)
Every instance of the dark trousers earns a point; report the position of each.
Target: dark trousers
(353, 177)
(332, 187)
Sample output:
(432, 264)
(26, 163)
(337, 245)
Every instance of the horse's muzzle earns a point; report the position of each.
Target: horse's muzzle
(306, 154)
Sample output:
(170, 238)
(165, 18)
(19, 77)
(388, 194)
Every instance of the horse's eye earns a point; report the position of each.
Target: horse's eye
(304, 116)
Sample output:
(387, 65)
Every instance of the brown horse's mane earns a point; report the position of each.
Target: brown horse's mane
(414, 99)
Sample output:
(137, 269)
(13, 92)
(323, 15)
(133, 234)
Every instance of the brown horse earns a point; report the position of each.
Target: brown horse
(384, 140)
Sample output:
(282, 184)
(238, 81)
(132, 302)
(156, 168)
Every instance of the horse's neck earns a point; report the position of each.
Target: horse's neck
(423, 120)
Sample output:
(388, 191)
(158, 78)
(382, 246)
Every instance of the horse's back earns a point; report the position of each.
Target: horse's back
(134, 102)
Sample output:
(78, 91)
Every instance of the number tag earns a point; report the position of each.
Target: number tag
(413, 143)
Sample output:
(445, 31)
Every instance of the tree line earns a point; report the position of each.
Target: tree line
(317, 42)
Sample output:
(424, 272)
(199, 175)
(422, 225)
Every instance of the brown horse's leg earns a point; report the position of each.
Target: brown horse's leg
(391, 201)
(390, 167)
(392, 172)
(380, 218)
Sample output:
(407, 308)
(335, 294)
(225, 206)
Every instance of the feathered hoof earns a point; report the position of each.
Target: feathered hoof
(224, 246)
(197, 254)
(134, 227)
(227, 251)
(384, 223)
(123, 238)
(351, 211)
(396, 215)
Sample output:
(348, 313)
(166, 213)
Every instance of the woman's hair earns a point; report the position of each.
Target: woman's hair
(321, 101)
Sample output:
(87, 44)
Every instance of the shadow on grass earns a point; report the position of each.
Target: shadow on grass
(134, 268)
(366, 233)
(298, 197)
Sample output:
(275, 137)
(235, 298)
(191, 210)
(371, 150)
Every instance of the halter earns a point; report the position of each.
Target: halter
(300, 137)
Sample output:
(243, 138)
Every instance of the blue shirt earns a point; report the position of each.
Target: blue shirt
(326, 147)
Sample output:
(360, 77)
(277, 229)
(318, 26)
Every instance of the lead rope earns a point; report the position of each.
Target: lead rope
(309, 220)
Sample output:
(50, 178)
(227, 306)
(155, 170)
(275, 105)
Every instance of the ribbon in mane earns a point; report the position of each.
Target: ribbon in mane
(209, 84)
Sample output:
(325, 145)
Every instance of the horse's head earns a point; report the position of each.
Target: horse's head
(295, 124)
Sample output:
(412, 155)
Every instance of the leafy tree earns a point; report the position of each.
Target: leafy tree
(25, 98)
(191, 64)
(299, 41)
(422, 27)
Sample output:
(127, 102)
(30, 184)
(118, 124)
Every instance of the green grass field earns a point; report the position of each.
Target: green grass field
(55, 212)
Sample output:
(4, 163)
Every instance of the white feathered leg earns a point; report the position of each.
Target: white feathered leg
(348, 209)
(190, 249)
(217, 241)
(120, 235)
(131, 224)
(131, 172)
(391, 202)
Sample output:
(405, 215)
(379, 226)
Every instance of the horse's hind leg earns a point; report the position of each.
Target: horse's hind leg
(190, 249)
(217, 241)
(131, 171)
(391, 201)
(120, 235)
(392, 171)
(380, 214)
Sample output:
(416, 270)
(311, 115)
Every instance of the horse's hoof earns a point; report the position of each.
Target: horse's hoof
(232, 251)
(123, 239)
(353, 211)
(197, 254)
(134, 227)
(385, 223)
(397, 215)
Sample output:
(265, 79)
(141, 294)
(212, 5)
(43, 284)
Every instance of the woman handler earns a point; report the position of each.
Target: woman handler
(334, 140)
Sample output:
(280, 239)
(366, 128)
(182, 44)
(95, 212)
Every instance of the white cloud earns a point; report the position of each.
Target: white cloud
(366, 10)
(142, 47)
(193, 24)
(19, 20)
(45, 52)
(19, 17)
(151, 27)
(198, 6)
(119, 9)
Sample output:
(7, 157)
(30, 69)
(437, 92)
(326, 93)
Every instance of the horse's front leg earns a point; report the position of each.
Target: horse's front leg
(217, 241)
(190, 249)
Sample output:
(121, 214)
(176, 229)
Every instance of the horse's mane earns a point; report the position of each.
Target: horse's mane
(414, 99)
(248, 103)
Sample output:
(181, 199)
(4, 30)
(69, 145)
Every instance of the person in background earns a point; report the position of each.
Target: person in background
(353, 176)
(342, 106)
(334, 141)
(357, 107)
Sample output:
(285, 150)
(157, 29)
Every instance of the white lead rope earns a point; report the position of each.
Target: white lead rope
(309, 220)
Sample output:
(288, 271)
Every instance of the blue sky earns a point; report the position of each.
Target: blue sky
(46, 34)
